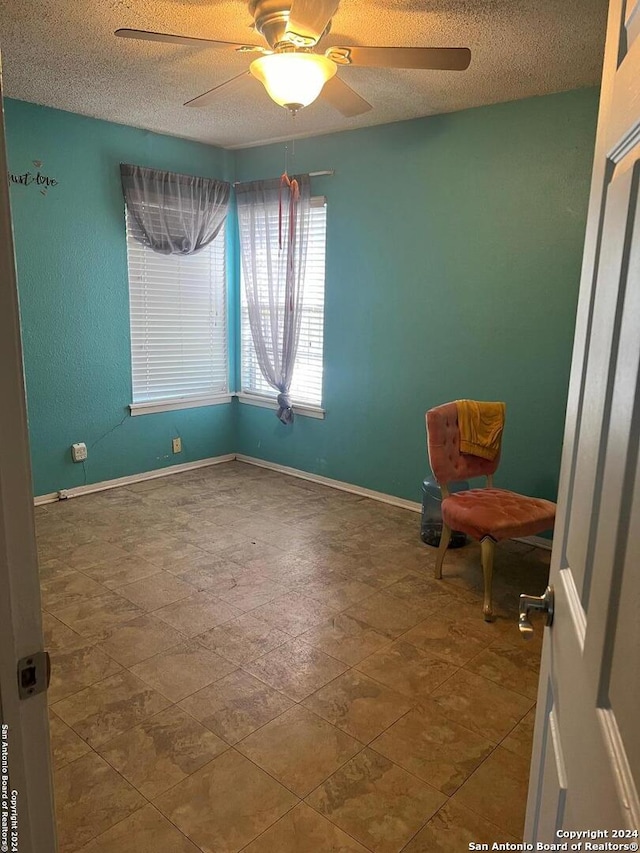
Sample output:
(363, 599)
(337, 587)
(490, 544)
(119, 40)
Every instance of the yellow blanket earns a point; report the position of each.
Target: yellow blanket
(481, 426)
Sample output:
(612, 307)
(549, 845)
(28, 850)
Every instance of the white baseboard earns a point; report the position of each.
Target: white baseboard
(414, 506)
(403, 503)
(392, 500)
(538, 541)
(77, 491)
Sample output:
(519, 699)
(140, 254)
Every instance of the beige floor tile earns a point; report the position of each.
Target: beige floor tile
(293, 613)
(236, 705)
(59, 637)
(182, 670)
(296, 669)
(90, 618)
(509, 666)
(197, 614)
(346, 638)
(386, 614)
(291, 569)
(104, 710)
(162, 751)
(244, 639)
(132, 642)
(163, 551)
(68, 589)
(226, 804)
(299, 749)
(90, 798)
(376, 802)
(498, 790)
(145, 831)
(252, 591)
(433, 748)
(162, 590)
(77, 668)
(83, 556)
(337, 591)
(117, 572)
(455, 633)
(422, 589)
(379, 572)
(209, 573)
(407, 669)
(520, 739)
(453, 829)
(252, 538)
(303, 830)
(66, 745)
(209, 564)
(480, 705)
(358, 705)
(250, 551)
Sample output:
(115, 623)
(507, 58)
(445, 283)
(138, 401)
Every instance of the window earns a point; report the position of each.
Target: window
(178, 325)
(306, 386)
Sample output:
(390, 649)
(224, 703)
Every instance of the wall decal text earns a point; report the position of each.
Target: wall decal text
(28, 178)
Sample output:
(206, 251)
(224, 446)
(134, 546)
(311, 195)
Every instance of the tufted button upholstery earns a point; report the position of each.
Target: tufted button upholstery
(447, 463)
(497, 513)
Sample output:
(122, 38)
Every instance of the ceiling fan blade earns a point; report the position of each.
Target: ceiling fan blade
(308, 19)
(169, 38)
(212, 95)
(428, 58)
(343, 98)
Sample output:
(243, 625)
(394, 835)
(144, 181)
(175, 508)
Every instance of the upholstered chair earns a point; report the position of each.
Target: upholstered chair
(486, 514)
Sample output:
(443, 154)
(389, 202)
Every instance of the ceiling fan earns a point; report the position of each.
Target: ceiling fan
(292, 70)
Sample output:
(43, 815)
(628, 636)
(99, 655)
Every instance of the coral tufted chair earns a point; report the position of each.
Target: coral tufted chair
(489, 514)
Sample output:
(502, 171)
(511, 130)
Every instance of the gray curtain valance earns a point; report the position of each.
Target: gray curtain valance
(174, 214)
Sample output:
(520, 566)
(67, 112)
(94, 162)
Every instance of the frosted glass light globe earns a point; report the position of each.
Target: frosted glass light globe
(293, 80)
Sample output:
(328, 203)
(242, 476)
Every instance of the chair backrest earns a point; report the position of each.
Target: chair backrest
(443, 441)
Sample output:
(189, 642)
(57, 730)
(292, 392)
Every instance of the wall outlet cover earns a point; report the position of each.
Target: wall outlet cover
(176, 444)
(79, 451)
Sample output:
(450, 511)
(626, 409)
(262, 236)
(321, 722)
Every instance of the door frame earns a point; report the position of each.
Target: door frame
(20, 616)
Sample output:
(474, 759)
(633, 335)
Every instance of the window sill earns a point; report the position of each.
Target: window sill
(172, 405)
(302, 409)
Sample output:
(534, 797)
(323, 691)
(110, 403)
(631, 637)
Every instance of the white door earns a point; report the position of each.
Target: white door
(26, 800)
(586, 757)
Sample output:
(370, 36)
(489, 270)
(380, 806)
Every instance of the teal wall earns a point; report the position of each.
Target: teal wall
(453, 258)
(454, 247)
(72, 280)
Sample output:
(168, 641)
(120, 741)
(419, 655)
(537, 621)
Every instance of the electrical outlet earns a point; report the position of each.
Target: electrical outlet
(79, 451)
(177, 445)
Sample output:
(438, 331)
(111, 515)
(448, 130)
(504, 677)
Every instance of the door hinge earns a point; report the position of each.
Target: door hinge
(34, 674)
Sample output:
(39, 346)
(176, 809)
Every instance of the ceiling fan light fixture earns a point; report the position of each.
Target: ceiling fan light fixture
(293, 79)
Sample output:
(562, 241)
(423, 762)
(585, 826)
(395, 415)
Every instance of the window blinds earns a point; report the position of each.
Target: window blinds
(306, 385)
(178, 322)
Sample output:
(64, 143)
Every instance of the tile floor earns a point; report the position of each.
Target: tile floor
(246, 661)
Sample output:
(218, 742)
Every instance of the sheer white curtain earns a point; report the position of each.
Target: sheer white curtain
(273, 219)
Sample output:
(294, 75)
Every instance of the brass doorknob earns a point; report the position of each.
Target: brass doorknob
(541, 603)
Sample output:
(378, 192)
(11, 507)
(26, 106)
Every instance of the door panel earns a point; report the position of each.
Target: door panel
(20, 619)
(601, 362)
(553, 789)
(586, 759)
(632, 22)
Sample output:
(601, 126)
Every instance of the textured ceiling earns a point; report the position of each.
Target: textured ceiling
(64, 54)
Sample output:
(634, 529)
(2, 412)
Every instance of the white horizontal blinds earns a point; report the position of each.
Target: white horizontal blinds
(178, 321)
(306, 385)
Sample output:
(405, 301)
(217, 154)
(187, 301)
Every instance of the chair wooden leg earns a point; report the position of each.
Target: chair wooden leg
(445, 538)
(488, 547)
